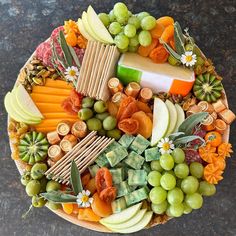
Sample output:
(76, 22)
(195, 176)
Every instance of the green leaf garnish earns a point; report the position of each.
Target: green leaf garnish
(170, 50)
(179, 39)
(65, 49)
(75, 57)
(189, 123)
(75, 179)
(187, 139)
(59, 197)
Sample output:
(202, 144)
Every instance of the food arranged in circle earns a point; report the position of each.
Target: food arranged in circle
(119, 119)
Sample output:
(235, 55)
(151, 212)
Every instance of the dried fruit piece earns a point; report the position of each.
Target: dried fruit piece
(225, 150)
(157, 31)
(108, 194)
(208, 153)
(207, 87)
(214, 138)
(129, 126)
(103, 179)
(212, 174)
(220, 163)
(124, 103)
(67, 208)
(168, 33)
(145, 51)
(165, 20)
(159, 54)
(143, 107)
(85, 179)
(129, 110)
(88, 215)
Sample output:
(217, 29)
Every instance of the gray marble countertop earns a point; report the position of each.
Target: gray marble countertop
(25, 23)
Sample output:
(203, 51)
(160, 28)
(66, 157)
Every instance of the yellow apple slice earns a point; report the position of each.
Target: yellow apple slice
(180, 115)
(83, 30)
(173, 117)
(87, 27)
(26, 103)
(97, 26)
(161, 118)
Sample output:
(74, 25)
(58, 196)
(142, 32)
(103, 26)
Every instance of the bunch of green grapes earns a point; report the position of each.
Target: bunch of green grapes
(129, 30)
(177, 187)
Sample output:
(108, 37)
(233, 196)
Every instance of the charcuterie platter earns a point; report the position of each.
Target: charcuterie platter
(119, 122)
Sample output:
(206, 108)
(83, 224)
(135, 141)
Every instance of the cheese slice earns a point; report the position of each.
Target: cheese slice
(160, 77)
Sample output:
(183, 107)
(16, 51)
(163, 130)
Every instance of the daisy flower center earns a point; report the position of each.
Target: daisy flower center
(72, 73)
(189, 58)
(85, 198)
(166, 146)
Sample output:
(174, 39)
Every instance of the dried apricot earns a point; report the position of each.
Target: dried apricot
(168, 33)
(129, 126)
(108, 194)
(143, 107)
(225, 150)
(91, 186)
(129, 110)
(85, 179)
(112, 108)
(157, 31)
(165, 20)
(101, 208)
(159, 54)
(67, 208)
(212, 174)
(124, 103)
(88, 214)
(145, 51)
(103, 179)
(208, 153)
(75, 209)
(145, 124)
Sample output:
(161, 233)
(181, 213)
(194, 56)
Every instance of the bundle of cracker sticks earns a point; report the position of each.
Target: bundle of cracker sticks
(97, 68)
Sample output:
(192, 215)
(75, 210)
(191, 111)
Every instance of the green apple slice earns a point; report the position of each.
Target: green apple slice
(26, 103)
(21, 112)
(87, 27)
(140, 225)
(97, 26)
(180, 115)
(173, 117)
(134, 220)
(122, 216)
(12, 113)
(161, 119)
(83, 30)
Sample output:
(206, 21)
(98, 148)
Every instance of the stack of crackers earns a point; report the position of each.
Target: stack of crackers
(99, 65)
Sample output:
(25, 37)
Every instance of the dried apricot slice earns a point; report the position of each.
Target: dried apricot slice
(101, 208)
(159, 54)
(129, 110)
(165, 20)
(129, 126)
(225, 149)
(67, 208)
(108, 194)
(143, 107)
(88, 214)
(168, 33)
(212, 174)
(145, 51)
(85, 179)
(157, 31)
(91, 186)
(145, 124)
(124, 103)
(103, 179)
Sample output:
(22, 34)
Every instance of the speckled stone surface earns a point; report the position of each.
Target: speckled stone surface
(25, 23)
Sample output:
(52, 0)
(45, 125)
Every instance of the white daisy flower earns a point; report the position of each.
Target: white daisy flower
(72, 73)
(166, 145)
(188, 58)
(83, 199)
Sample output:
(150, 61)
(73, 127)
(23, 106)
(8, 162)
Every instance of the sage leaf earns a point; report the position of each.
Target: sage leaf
(187, 139)
(65, 49)
(59, 197)
(170, 50)
(75, 57)
(75, 179)
(175, 135)
(179, 38)
(189, 123)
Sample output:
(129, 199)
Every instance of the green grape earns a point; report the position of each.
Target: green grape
(114, 28)
(130, 31)
(111, 15)
(143, 14)
(175, 196)
(133, 42)
(181, 170)
(167, 161)
(194, 200)
(168, 211)
(189, 47)
(154, 178)
(124, 50)
(177, 210)
(189, 185)
(145, 38)
(169, 172)
(122, 20)
(168, 181)
(120, 10)
(157, 195)
(104, 18)
(172, 61)
(206, 189)
(178, 183)
(129, 13)
(196, 169)
(133, 48)
(178, 155)
(187, 208)
(121, 41)
(133, 20)
(155, 165)
(148, 23)
(159, 208)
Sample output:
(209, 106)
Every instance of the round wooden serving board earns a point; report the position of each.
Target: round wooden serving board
(72, 218)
